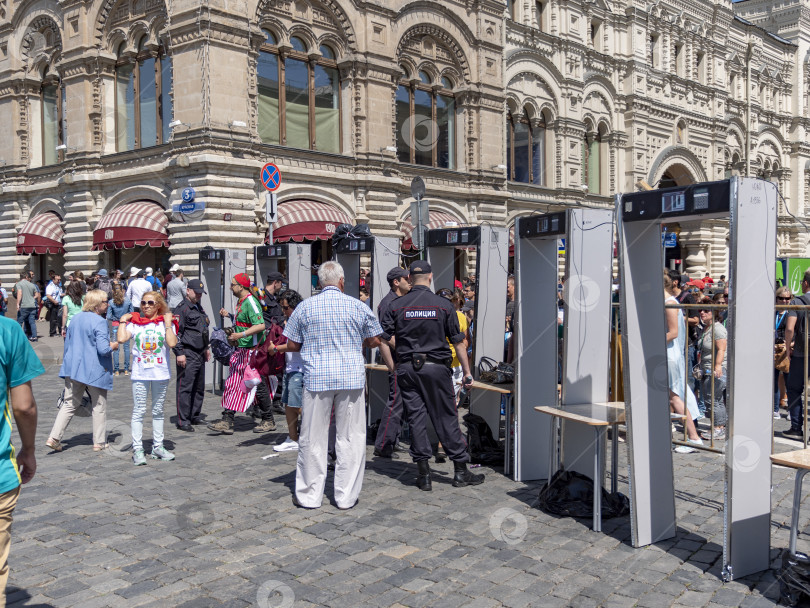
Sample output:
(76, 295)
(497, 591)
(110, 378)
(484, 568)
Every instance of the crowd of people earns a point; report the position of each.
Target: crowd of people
(697, 355)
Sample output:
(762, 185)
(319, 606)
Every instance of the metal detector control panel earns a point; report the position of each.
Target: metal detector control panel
(271, 251)
(208, 254)
(552, 224)
(696, 199)
(464, 236)
(359, 245)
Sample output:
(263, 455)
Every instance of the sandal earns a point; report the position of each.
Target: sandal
(99, 448)
(54, 444)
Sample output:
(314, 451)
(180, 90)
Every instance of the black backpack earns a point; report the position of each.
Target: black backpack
(220, 347)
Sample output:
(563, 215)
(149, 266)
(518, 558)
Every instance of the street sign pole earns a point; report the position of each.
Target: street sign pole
(418, 237)
(270, 213)
(419, 230)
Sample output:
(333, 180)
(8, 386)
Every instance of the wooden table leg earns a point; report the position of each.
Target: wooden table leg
(797, 502)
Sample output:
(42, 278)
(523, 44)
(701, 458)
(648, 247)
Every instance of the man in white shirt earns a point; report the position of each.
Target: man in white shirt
(176, 288)
(53, 296)
(137, 287)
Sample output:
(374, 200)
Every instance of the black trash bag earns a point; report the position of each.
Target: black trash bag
(483, 447)
(794, 580)
(360, 231)
(570, 494)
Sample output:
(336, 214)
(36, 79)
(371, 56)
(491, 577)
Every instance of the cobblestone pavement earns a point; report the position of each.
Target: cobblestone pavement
(217, 527)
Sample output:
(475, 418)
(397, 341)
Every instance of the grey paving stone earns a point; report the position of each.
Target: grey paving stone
(92, 531)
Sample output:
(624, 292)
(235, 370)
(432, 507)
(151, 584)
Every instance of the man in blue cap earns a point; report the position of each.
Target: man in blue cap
(418, 326)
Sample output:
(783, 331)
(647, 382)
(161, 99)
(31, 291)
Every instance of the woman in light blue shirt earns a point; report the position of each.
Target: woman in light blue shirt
(118, 307)
(87, 365)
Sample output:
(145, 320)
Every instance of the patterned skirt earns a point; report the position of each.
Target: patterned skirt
(233, 397)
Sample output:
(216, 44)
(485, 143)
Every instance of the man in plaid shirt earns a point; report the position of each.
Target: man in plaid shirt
(330, 330)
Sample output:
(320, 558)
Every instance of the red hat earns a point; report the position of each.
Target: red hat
(243, 280)
(697, 283)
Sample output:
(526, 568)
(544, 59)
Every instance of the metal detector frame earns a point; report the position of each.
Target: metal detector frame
(298, 261)
(227, 263)
(751, 206)
(489, 316)
(589, 237)
(384, 252)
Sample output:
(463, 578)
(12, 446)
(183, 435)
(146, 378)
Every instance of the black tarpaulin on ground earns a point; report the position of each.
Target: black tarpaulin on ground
(570, 494)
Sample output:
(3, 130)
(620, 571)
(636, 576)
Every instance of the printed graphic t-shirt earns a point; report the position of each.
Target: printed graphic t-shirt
(150, 354)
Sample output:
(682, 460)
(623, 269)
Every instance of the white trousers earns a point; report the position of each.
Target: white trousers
(350, 445)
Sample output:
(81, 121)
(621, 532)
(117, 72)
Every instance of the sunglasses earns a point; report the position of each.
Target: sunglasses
(148, 303)
(286, 308)
(787, 299)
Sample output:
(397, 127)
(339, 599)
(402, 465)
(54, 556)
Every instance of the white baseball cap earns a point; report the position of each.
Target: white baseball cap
(148, 270)
(134, 271)
(175, 268)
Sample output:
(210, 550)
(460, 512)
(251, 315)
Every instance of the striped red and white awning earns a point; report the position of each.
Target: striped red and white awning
(41, 234)
(305, 220)
(132, 225)
(438, 219)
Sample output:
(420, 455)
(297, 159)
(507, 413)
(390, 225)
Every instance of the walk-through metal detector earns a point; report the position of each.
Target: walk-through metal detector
(384, 252)
(294, 260)
(751, 206)
(217, 269)
(586, 327)
(489, 320)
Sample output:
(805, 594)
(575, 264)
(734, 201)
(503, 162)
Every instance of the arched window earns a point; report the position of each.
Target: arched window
(307, 115)
(526, 155)
(540, 15)
(426, 122)
(54, 132)
(143, 105)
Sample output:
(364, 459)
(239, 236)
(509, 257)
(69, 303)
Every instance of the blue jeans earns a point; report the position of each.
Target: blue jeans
(28, 316)
(117, 353)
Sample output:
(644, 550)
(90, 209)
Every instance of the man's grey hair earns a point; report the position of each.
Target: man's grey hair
(330, 273)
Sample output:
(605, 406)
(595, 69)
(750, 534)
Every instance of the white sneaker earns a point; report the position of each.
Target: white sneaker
(288, 446)
(688, 449)
(777, 416)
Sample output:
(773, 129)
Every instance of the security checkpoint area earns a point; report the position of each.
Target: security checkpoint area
(491, 246)
(350, 252)
(750, 206)
(218, 267)
(293, 260)
(569, 435)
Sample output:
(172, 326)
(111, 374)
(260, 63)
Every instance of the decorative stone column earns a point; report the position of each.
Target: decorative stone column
(694, 248)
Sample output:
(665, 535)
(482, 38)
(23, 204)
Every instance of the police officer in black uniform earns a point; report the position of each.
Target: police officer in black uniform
(391, 421)
(420, 324)
(191, 354)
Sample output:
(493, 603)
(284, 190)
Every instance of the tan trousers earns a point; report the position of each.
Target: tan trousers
(7, 503)
(313, 445)
(73, 397)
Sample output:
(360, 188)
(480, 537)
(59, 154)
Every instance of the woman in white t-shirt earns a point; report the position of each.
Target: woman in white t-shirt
(154, 334)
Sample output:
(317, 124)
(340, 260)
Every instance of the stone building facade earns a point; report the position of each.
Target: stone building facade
(665, 94)
(111, 108)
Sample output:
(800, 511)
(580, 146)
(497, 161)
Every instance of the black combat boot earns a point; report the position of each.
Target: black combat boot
(463, 477)
(423, 480)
